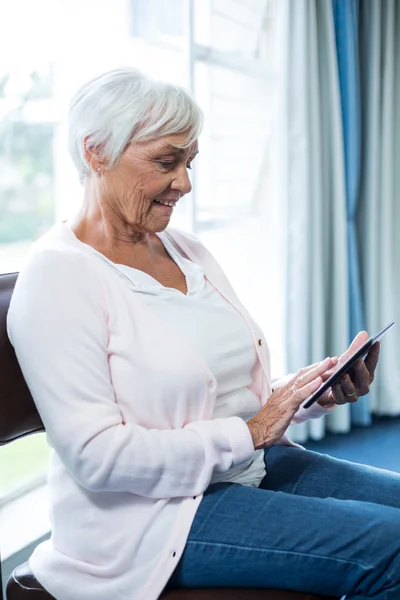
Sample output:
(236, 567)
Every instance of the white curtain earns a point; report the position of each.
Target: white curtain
(312, 187)
(379, 215)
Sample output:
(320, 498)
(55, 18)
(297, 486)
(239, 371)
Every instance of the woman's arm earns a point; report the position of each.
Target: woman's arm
(58, 327)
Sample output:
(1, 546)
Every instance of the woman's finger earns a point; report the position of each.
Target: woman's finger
(302, 392)
(331, 371)
(310, 367)
(305, 376)
(360, 377)
(372, 359)
(326, 374)
(307, 381)
(334, 361)
(348, 389)
(338, 394)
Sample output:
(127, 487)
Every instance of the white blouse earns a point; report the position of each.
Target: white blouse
(218, 333)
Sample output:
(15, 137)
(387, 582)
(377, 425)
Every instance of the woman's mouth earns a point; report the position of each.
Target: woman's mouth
(165, 206)
(169, 203)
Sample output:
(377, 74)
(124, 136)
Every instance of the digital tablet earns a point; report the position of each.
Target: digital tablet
(345, 368)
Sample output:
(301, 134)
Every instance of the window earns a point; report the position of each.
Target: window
(223, 50)
(22, 463)
(26, 162)
(158, 18)
(236, 81)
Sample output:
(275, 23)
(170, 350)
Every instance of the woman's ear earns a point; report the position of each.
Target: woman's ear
(93, 155)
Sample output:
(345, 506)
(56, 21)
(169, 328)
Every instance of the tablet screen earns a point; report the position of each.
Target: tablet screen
(361, 353)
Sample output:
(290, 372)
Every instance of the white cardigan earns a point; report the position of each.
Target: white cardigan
(127, 406)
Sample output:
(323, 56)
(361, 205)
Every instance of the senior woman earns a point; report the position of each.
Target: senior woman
(170, 464)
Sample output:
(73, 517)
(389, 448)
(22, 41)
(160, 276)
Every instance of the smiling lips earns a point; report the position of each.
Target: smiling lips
(166, 202)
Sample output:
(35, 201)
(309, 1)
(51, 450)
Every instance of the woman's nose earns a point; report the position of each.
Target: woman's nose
(182, 182)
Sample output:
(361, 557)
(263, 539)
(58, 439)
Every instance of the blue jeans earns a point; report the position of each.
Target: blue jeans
(316, 524)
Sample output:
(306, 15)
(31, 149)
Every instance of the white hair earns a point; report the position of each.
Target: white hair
(124, 105)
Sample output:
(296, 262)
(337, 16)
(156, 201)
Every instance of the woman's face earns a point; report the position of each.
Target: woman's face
(148, 172)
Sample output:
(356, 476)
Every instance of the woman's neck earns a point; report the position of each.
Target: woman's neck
(111, 238)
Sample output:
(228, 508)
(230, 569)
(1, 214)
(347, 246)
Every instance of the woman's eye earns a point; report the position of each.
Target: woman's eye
(170, 164)
(166, 164)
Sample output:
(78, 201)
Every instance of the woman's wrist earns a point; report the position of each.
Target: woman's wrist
(257, 434)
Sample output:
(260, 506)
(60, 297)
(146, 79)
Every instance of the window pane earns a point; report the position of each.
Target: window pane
(26, 161)
(152, 18)
(26, 181)
(38, 183)
(233, 26)
(233, 151)
(21, 462)
(236, 211)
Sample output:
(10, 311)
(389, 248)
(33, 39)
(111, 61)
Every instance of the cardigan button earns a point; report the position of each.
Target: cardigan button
(260, 342)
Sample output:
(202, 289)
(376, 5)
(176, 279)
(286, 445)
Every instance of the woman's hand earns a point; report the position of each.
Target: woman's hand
(268, 426)
(357, 382)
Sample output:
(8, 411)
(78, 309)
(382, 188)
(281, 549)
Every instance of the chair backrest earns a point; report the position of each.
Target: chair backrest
(18, 414)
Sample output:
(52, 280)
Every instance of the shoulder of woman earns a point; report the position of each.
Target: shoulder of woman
(46, 263)
(58, 269)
